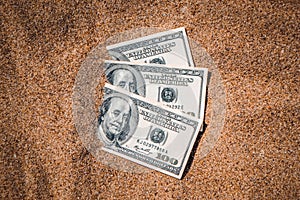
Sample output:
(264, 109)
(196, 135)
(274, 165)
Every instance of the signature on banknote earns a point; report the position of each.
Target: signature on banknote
(146, 132)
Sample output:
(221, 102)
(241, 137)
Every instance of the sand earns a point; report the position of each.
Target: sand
(254, 45)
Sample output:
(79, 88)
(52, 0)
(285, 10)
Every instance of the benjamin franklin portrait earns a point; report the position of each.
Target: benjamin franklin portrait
(117, 120)
(126, 77)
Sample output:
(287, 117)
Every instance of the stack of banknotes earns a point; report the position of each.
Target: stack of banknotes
(154, 101)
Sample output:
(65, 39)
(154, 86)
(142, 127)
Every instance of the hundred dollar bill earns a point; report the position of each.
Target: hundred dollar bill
(181, 88)
(146, 132)
(169, 47)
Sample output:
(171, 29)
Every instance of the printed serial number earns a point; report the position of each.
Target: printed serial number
(179, 107)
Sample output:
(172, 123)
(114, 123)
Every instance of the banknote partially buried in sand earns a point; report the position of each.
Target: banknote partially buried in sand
(146, 132)
(169, 47)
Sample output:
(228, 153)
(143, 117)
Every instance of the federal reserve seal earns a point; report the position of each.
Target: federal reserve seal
(160, 60)
(168, 95)
(157, 135)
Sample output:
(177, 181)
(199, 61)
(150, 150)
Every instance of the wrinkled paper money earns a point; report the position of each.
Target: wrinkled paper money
(168, 47)
(146, 132)
(181, 88)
